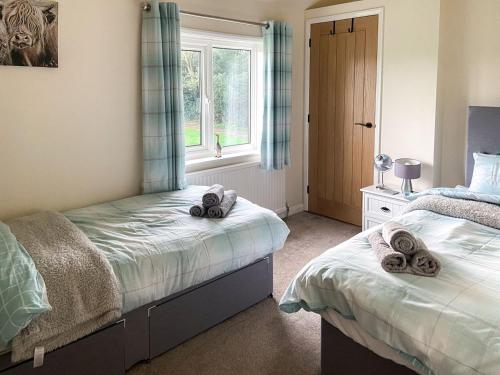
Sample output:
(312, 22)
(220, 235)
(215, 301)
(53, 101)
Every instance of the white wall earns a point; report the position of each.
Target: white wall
(409, 71)
(469, 74)
(71, 136)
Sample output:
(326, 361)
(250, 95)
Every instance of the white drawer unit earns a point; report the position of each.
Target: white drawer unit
(369, 222)
(380, 206)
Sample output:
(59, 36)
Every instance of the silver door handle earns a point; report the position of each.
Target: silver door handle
(368, 125)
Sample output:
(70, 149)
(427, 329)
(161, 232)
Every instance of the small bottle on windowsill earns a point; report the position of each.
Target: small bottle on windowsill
(218, 148)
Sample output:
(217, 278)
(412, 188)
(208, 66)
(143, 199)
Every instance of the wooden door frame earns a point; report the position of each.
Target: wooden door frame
(332, 15)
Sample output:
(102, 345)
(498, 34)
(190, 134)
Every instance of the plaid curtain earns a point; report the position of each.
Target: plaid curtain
(162, 101)
(275, 147)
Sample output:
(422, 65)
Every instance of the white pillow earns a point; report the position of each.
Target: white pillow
(486, 175)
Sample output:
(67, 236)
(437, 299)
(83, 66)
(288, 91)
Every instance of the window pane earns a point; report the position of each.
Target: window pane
(231, 90)
(191, 68)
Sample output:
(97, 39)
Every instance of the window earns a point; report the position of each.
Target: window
(191, 76)
(231, 95)
(221, 75)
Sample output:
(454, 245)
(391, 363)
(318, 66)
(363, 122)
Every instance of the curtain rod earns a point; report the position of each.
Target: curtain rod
(147, 8)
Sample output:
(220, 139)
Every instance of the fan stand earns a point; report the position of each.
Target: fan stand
(380, 185)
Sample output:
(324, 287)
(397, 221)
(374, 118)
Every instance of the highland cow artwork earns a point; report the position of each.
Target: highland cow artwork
(28, 33)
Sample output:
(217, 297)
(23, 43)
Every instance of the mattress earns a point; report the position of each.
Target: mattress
(443, 325)
(157, 249)
(352, 329)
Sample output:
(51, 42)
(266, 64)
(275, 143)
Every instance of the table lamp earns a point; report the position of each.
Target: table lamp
(407, 169)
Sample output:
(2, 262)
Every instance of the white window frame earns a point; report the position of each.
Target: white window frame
(204, 41)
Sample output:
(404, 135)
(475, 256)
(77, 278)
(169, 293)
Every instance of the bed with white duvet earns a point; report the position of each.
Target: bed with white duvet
(444, 325)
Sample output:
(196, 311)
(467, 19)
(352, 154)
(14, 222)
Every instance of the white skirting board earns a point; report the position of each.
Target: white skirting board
(291, 210)
(265, 188)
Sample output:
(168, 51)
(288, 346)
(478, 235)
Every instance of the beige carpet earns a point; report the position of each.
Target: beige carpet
(262, 339)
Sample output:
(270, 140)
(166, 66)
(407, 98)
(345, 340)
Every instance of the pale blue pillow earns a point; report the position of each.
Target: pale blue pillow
(486, 175)
(23, 295)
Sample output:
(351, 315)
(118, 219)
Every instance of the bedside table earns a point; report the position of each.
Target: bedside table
(379, 207)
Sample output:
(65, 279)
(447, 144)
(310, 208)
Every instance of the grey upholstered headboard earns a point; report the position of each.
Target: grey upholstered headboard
(483, 135)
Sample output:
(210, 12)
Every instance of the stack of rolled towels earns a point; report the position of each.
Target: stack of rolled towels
(398, 250)
(215, 203)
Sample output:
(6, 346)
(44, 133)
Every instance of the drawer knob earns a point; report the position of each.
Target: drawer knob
(385, 209)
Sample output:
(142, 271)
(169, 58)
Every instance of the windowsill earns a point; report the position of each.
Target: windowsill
(197, 165)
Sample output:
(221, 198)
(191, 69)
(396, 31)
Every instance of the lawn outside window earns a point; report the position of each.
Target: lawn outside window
(222, 75)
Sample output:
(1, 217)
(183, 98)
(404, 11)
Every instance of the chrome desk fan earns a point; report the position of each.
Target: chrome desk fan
(383, 163)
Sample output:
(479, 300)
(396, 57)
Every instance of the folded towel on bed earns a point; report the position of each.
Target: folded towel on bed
(399, 238)
(81, 286)
(228, 201)
(423, 263)
(213, 196)
(198, 210)
(390, 260)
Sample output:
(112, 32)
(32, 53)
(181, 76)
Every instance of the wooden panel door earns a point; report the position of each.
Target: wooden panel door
(343, 71)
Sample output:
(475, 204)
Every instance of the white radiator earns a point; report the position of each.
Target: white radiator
(265, 188)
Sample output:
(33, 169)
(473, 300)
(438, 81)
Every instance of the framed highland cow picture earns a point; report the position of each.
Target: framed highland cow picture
(28, 33)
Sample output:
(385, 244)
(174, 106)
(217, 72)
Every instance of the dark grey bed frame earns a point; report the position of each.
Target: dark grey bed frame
(342, 355)
(155, 328)
(339, 353)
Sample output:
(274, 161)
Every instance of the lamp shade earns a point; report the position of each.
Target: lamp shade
(407, 168)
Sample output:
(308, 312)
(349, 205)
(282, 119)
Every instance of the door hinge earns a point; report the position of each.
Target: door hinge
(307, 189)
(308, 118)
(310, 42)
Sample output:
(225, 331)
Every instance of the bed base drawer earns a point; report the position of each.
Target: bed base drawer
(152, 330)
(342, 355)
(192, 313)
(101, 353)
(136, 337)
